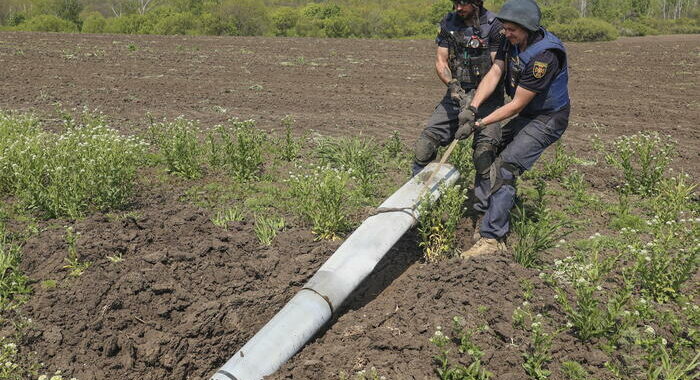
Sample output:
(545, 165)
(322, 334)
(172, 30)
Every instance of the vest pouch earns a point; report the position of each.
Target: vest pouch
(479, 66)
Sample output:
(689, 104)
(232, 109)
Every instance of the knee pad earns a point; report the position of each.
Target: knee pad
(484, 156)
(426, 149)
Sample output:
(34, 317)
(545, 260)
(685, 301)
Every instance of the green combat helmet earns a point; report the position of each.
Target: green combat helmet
(522, 12)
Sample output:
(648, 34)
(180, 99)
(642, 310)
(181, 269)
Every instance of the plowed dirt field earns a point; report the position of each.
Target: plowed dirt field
(189, 294)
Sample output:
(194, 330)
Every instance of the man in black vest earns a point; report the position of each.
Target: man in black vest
(533, 64)
(467, 43)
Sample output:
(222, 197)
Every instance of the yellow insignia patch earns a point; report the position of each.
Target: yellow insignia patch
(539, 69)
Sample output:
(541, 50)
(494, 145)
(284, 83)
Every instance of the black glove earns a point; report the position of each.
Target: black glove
(464, 131)
(455, 89)
(467, 116)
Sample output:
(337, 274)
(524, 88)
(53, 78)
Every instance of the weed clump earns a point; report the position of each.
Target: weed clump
(462, 339)
(86, 166)
(438, 222)
(179, 146)
(225, 215)
(643, 159)
(289, 146)
(238, 148)
(461, 159)
(356, 156)
(591, 310)
(266, 228)
(73, 262)
(537, 230)
(14, 284)
(321, 200)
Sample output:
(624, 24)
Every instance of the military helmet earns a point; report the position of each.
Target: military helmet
(522, 12)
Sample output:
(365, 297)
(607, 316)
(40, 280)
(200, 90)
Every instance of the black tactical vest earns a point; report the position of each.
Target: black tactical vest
(469, 57)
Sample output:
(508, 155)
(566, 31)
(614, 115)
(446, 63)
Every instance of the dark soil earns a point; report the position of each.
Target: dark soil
(189, 294)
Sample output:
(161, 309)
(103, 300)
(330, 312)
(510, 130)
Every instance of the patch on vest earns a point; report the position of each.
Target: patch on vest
(539, 69)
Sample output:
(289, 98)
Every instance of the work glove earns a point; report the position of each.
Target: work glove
(467, 116)
(464, 131)
(455, 90)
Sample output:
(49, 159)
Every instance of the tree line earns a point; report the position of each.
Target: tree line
(571, 19)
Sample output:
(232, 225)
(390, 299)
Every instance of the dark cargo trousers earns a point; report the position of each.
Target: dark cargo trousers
(442, 126)
(523, 141)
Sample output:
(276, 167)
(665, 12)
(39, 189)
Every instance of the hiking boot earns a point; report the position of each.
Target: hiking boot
(484, 246)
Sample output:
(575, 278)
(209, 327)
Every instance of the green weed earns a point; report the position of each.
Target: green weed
(643, 158)
(660, 359)
(574, 371)
(535, 235)
(76, 266)
(13, 283)
(461, 159)
(463, 341)
(438, 222)
(222, 217)
(559, 164)
(672, 367)
(87, 166)
(116, 259)
(394, 147)
(237, 148)
(538, 232)
(591, 310)
(264, 197)
(9, 355)
(520, 316)
(266, 228)
(356, 156)
(178, 143)
(581, 196)
(538, 353)
(674, 197)
(623, 217)
(289, 146)
(320, 198)
(523, 312)
(664, 264)
(528, 288)
(49, 284)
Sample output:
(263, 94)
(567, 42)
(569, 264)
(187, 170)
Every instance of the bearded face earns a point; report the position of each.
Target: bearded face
(466, 8)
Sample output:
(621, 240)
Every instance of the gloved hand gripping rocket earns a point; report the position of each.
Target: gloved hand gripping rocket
(467, 113)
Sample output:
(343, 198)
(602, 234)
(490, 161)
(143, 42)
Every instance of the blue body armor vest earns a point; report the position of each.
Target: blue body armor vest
(557, 96)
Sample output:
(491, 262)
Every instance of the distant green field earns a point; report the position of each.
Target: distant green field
(572, 20)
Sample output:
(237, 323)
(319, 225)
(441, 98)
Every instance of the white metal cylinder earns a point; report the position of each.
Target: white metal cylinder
(354, 260)
(279, 339)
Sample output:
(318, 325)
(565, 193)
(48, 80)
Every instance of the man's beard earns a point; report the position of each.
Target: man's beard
(468, 15)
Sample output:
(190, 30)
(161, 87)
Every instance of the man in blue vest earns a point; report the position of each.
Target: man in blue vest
(467, 43)
(533, 64)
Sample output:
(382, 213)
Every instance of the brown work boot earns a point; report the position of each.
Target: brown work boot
(484, 246)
